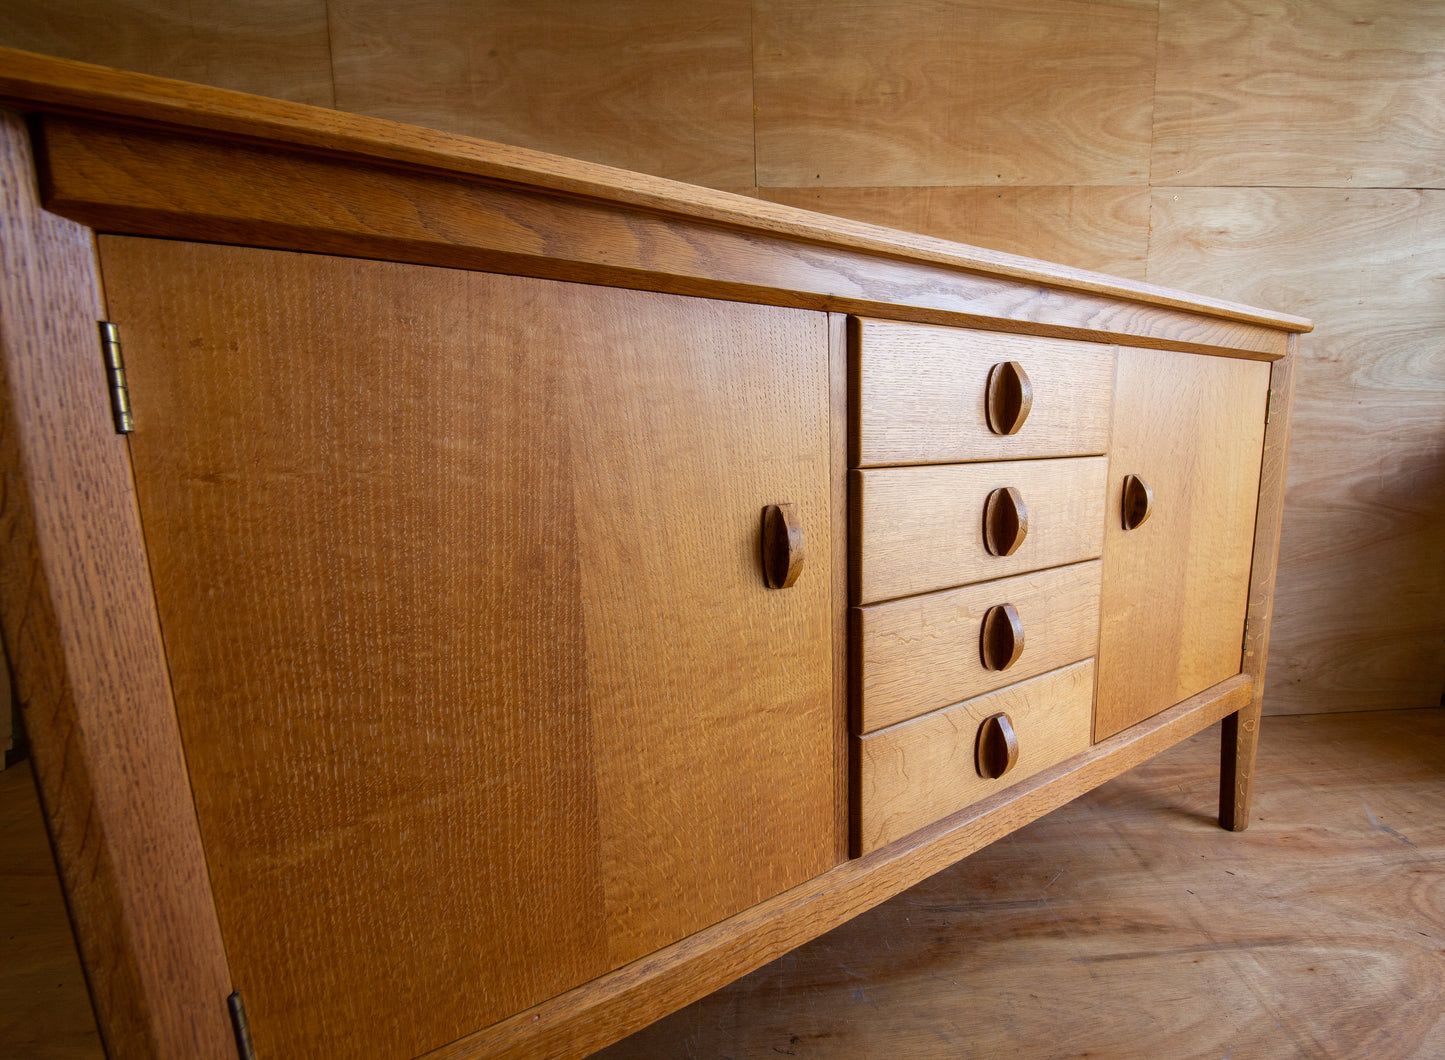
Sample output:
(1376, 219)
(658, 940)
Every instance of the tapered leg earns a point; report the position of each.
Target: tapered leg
(1239, 740)
(1240, 732)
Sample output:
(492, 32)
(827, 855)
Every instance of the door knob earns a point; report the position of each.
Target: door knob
(1005, 521)
(1001, 637)
(998, 746)
(1008, 396)
(782, 545)
(1138, 501)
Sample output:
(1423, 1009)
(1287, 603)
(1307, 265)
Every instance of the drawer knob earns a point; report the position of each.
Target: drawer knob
(1008, 397)
(1001, 638)
(782, 545)
(998, 746)
(1138, 501)
(1005, 521)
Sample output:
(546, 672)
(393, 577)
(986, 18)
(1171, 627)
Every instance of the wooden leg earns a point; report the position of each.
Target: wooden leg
(1240, 732)
(1239, 739)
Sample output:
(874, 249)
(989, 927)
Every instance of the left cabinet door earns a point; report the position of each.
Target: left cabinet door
(481, 688)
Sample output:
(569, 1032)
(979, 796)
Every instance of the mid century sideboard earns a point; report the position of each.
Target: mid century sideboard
(467, 602)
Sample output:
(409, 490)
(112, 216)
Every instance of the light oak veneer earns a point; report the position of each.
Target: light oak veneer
(491, 573)
(923, 652)
(922, 395)
(1176, 588)
(920, 770)
(922, 528)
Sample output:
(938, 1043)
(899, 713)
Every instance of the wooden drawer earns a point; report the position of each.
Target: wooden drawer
(921, 395)
(922, 653)
(918, 529)
(922, 770)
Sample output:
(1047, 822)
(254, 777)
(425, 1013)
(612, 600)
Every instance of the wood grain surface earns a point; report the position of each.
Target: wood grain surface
(1176, 589)
(277, 48)
(7, 719)
(838, 552)
(456, 574)
(1128, 925)
(1361, 573)
(127, 180)
(921, 395)
(1267, 92)
(649, 85)
(920, 771)
(1239, 733)
(598, 1013)
(38, 82)
(921, 653)
(1309, 934)
(917, 529)
(1300, 93)
(875, 92)
(81, 638)
(1102, 228)
(44, 1008)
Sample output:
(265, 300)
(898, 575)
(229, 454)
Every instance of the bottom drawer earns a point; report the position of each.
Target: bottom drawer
(921, 770)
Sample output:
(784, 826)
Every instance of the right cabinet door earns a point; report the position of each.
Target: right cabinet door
(1189, 429)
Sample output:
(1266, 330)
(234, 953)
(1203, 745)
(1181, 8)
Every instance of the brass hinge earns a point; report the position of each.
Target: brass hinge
(115, 377)
(244, 1049)
(1244, 641)
(1268, 405)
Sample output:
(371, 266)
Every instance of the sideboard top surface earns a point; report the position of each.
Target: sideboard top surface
(899, 269)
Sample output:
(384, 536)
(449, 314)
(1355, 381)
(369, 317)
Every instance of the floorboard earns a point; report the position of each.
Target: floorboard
(44, 1008)
(1126, 924)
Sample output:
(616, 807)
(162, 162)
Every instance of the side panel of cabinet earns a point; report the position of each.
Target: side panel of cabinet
(481, 689)
(1175, 588)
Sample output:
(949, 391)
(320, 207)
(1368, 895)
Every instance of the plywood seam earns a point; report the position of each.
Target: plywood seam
(331, 58)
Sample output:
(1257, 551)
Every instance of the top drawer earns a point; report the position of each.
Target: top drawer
(922, 391)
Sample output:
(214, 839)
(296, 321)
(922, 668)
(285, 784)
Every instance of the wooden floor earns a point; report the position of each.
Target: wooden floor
(44, 1009)
(1124, 925)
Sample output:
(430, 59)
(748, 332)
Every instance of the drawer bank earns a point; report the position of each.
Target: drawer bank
(467, 602)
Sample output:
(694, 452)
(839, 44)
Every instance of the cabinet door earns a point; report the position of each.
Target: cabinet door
(1175, 588)
(481, 688)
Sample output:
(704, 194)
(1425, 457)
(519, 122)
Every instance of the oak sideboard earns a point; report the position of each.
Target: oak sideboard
(466, 602)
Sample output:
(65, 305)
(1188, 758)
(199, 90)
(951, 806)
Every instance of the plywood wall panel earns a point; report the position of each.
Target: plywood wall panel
(1100, 228)
(1358, 621)
(270, 47)
(1031, 127)
(650, 85)
(1332, 93)
(867, 93)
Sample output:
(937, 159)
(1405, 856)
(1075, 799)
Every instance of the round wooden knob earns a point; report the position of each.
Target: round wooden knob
(998, 746)
(1005, 521)
(1138, 501)
(782, 545)
(1008, 397)
(1001, 637)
